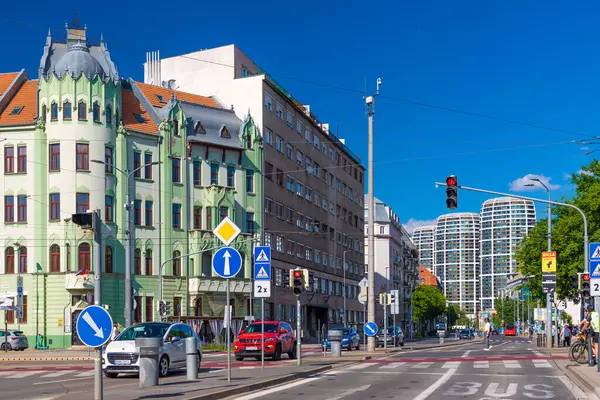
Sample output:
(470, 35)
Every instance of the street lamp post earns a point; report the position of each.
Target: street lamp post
(128, 232)
(344, 268)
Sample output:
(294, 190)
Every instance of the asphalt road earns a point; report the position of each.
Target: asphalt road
(512, 369)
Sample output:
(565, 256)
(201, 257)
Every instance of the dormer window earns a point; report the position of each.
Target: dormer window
(249, 142)
(96, 111)
(199, 128)
(17, 110)
(66, 110)
(53, 111)
(81, 111)
(139, 118)
(225, 133)
(161, 99)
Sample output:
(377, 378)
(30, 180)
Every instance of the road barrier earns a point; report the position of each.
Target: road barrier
(149, 352)
(191, 358)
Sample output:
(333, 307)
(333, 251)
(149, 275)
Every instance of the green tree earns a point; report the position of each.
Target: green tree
(428, 303)
(567, 235)
(504, 308)
(456, 316)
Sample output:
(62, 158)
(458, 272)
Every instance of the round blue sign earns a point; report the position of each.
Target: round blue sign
(94, 326)
(227, 262)
(371, 329)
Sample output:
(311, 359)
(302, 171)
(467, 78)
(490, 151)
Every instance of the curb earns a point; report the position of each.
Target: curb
(221, 394)
(576, 378)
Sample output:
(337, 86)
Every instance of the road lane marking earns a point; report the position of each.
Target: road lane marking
(423, 365)
(55, 374)
(278, 389)
(349, 392)
(574, 389)
(392, 365)
(87, 373)
(541, 364)
(481, 364)
(451, 364)
(360, 366)
(466, 354)
(511, 364)
(435, 386)
(22, 375)
(63, 380)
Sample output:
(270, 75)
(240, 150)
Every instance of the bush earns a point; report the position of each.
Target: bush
(213, 346)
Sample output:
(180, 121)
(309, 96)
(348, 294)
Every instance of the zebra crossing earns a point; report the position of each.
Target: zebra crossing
(486, 364)
(46, 374)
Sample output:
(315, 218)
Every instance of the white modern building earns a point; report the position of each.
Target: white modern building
(505, 221)
(423, 238)
(396, 263)
(457, 258)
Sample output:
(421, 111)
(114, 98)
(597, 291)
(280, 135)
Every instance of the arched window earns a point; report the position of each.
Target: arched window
(137, 262)
(83, 257)
(249, 142)
(176, 263)
(43, 113)
(66, 110)
(68, 257)
(108, 260)
(9, 261)
(54, 258)
(81, 111)
(108, 115)
(23, 260)
(148, 262)
(53, 111)
(96, 111)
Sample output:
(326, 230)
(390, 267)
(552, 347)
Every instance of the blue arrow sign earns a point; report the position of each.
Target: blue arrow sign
(262, 254)
(371, 329)
(94, 326)
(227, 262)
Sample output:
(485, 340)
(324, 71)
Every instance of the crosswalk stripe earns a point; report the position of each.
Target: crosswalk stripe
(86, 373)
(541, 364)
(423, 365)
(481, 364)
(511, 364)
(451, 364)
(359, 366)
(392, 365)
(6, 373)
(55, 374)
(22, 375)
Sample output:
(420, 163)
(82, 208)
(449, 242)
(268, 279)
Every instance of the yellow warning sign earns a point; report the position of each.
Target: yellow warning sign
(549, 261)
(227, 231)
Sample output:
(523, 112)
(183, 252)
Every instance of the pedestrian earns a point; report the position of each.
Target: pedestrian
(567, 335)
(487, 331)
(115, 332)
(196, 328)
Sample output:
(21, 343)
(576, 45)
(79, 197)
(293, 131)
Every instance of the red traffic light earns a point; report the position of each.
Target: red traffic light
(586, 277)
(297, 274)
(451, 181)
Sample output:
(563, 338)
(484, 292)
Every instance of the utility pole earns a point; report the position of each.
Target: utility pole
(128, 288)
(370, 102)
(97, 227)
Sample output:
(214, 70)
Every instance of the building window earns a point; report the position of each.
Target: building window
(108, 115)
(197, 217)
(279, 111)
(9, 264)
(108, 208)
(279, 144)
(68, 257)
(81, 111)
(279, 210)
(54, 111)
(299, 127)
(67, 110)
(197, 172)
(9, 209)
(289, 183)
(137, 164)
(22, 159)
(148, 212)
(137, 262)
(249, 181)
(176, 172)
(83, 156)
(137, 312)
(230, 176)
(82, 201)
(176, 263)
(44, 110)
(54, 258)
(108, 160)
(214, 174)
(9, 160)
(83, 257)
(225, 133)
(250, 222)
(269, 136)
(22, 208)
(279, 244)
(223, 212)
(176, 127)
(96, 111)
(108, 260)
(137, 212)
(148, 166)
(176, 216)
(299, 189)
(55, 157)
(290, 119)
(199, 128)
(268, 101)
(208, 218)
(54, 206)
(268, 205)
(290, 151)
(148, 262)
(149, 308)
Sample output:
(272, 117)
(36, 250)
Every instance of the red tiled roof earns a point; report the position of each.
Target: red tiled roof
(151, 92)
(132, 106)
(6, 79)
(26, 97)
(426, 277)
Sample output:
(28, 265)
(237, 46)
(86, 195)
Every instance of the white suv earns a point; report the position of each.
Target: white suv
(121, 355)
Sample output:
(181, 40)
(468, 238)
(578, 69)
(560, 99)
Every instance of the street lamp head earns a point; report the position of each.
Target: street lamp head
(98, 161)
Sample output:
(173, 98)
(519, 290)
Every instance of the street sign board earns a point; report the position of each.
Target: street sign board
(548, 282)
(262, 255)
(595, 269)
(548, 261)
(363, 283)
(395, 309)
(371, 329)
(227, 231)
(362, 298)
(396, 297)
(94, 326)
(525, 293)
(227, 262)
(594, 287)
(262, 272)
(595, 251)
(262, 288)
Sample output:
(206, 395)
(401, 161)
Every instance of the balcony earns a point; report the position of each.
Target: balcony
(215, 195)
(81, 282)
(209, 284)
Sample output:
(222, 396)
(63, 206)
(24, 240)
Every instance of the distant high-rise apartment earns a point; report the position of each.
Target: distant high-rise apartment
(505, 221)
(456, 257)
(423, 238)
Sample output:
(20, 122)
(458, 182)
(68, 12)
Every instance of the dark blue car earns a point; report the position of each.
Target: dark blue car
(350, 340)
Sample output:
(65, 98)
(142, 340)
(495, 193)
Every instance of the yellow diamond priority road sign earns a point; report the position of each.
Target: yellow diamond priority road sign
(227, 231)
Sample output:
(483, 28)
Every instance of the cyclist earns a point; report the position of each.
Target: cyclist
(590, 324)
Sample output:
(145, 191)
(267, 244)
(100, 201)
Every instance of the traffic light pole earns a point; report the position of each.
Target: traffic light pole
(298, 332)
(97, 224)
(384, 303)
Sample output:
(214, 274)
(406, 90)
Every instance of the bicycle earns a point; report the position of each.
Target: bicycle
(579, 349)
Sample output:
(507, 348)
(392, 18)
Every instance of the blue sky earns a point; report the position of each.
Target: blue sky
(533, 62)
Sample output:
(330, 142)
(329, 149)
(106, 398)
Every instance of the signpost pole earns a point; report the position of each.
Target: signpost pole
(227, 332)
(298, 333)
(262, 333)
(98, 385)
(384, 303)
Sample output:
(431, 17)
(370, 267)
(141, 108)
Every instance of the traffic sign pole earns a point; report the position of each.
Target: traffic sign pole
(228, 336)
(262, 286)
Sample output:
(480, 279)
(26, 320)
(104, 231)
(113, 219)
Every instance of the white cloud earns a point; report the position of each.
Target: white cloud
(566, 176)
(412, 223)
(518, 185)
(583, 172)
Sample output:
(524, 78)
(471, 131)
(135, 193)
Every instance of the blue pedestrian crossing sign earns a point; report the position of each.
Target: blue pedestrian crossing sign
(595, 251)
(262, 254)
(595, 269)
(262, 272)
(94, 326)
(227, 262)
(371, 329)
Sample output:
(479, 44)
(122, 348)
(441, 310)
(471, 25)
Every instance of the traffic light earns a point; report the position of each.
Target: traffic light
(585, 285)
(575, 282)
(161, 307)
(385, 299)
(297, 278)
(506, 298)
(306, 277)
(167, 308)
(452, 192)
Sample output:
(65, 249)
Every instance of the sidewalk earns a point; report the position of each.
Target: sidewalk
(585, 377)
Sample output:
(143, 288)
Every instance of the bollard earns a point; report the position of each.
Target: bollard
(149, 349)
(441, 334)
(335, 337)
(191, 358)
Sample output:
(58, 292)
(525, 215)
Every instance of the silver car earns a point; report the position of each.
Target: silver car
(13, 340)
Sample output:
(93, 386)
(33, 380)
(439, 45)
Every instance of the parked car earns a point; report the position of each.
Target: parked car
(279, 339)
(394, 337)
(350, 340)
(122, 356)
(466, 334)
(15, 340)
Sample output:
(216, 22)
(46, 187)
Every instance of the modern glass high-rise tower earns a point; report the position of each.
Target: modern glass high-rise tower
(423, 238)
(505, 221)
(456, 256)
